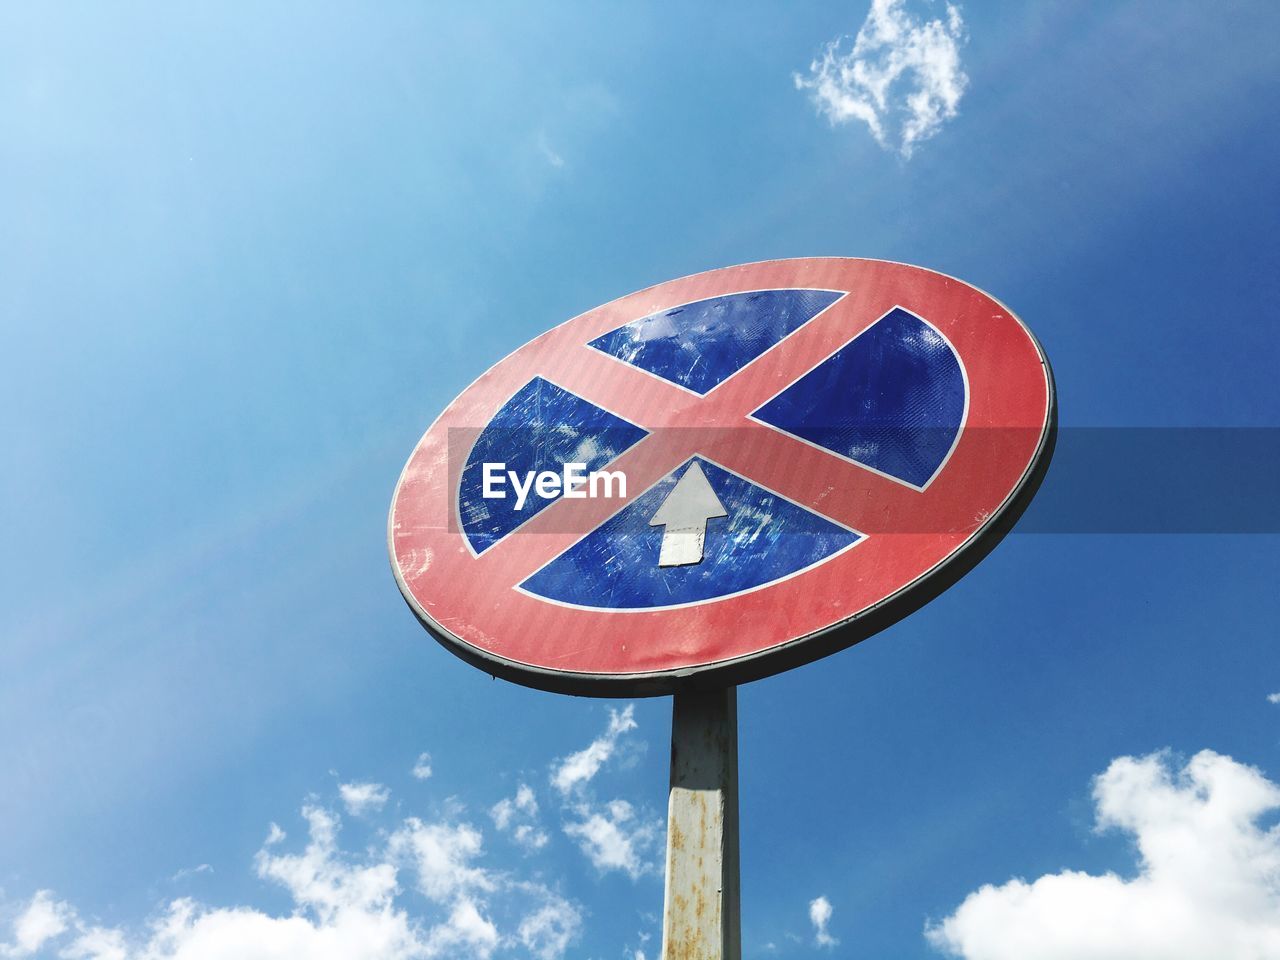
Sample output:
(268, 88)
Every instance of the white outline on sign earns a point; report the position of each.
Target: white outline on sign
(862, 538)
(964, 416)
(694, 393)
(457, 494)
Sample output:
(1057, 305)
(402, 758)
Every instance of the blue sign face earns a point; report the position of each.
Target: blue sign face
(540, 429)
(892, 399)
(700, 345)
(763, 538)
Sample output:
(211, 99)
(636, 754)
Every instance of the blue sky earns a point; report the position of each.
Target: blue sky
(248, 253)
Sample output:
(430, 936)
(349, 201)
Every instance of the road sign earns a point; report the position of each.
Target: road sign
(722, 476)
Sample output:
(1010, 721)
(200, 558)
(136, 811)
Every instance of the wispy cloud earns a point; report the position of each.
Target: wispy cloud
(1273, 698)
(519, 815)
(187, 872)
(613, 835)
(548, 152)
(345, 905)
(548, 932)
(902, 76)
(577, 769)
(422, 890)
(422, 767)
(1208, 880)
(362, 798)
(820, 916)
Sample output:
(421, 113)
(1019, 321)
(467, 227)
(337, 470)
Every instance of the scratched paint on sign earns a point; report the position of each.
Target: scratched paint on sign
(893, 399)
(700, 345)
(542, 427)
(764, 538)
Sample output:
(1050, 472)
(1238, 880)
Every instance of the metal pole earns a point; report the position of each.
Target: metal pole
(701, 917)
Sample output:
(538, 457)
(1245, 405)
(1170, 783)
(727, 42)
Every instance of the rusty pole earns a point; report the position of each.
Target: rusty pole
(701, 917)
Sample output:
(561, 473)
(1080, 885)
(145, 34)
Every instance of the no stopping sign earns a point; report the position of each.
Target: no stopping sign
(722, 476)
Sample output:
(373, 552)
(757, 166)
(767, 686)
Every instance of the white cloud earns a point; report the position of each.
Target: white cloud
(548, 932)
(443, 854)
(466, 928)
(1207, 886)
(505, 811)
(1273, 698)
(344, 907)
(613, 837)
(519, 815)
(188, 872)
(423, 890)
(422, 767)
(341, 911)
(319, 879)
(579, 768)
(97, 943)
(820, 916)
(644, 937)
(902, 77)
(529, 836)
(42, 920)
(362, 798)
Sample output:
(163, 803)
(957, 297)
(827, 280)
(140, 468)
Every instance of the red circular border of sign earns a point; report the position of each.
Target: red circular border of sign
(470, 605)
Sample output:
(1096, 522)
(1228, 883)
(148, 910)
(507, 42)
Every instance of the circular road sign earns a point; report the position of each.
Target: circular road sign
(723, 476)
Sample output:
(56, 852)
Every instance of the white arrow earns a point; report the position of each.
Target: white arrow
(685, 513)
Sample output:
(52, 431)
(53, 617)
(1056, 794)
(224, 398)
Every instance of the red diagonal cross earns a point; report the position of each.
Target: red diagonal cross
(682, 424)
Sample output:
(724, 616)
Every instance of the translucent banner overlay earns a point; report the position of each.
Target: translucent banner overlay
(1102, 480)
